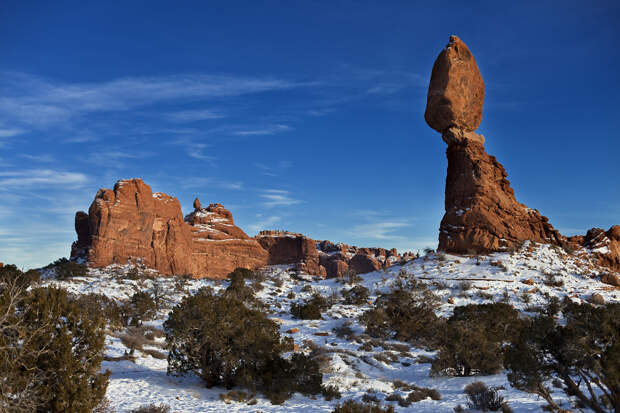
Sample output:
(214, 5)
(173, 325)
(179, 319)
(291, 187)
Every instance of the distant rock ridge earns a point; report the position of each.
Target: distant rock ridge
(130, 223)
(481, 212)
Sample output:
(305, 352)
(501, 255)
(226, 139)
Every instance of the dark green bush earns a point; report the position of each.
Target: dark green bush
(582, 353)
(484, 398)
(311, 309)
(13, 275)
(66, 269)
(142, 307)
(467, 350)
(101, 306)
(351, 406)
(406, 313)
(228, 344)
(356, 295)
(50, 352)
(499, 321)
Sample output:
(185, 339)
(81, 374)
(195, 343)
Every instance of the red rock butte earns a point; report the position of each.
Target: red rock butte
(481, 212)
(130, 223)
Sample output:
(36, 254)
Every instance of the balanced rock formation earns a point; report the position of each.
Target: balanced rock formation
(456, 90)
(482, 214)
(131, 222)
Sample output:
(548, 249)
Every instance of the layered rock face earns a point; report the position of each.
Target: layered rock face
(338, 259)
(131, 222)
(292, 248)
(218, 245)
(482, 214)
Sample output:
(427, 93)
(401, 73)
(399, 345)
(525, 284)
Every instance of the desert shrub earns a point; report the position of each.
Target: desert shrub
(467, 350)
(50, 352)
(237, 396)
(421, 393)
(351, 406)
(330, 392)
(101, 306)
(142, 307)
(10, 274)
(343, 330)
(311, 309)
(484, 398)
(152, 408)
(500, 321)
(228, 344)
(356, 295)
(406, 313)
(583, 353)
(68, 269)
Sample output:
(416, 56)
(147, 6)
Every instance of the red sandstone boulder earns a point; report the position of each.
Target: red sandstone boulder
(362, 263)
(456, 90)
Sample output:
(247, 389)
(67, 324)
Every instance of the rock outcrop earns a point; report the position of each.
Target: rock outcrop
(131, 222)
(340, 258)
(292, 248)
(482, 214)
(218, 245)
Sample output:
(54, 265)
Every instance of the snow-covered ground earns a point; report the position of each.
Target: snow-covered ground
(457, 280)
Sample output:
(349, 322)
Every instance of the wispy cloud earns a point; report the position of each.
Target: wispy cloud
(38, 158)
(40, 177)
(274, 170)
(115, 158)
(380, 230)
(194, 115)
(7, 133)
(40, 102)
(278, 197)
(266, 130)
(194, 182)
(196, 151)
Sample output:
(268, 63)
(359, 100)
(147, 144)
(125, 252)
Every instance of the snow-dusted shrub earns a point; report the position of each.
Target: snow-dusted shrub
(467, 350)
(351, 406)
(142, 307)
(66, 269)
(406, 313)
(311, 309)
(10, 274)
(583, 353)
(500, 321)
(101, 306)
(152, 408)
(356, 295)
(228, 344)
(484, 398)
(50, 352)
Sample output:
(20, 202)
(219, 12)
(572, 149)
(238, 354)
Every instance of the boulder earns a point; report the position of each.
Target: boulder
(362, 263)
(456, 90)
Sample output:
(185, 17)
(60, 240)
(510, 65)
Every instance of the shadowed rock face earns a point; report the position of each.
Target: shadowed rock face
(456, 90)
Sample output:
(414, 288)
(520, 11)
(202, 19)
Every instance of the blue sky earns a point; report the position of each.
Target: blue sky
(305, 116)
